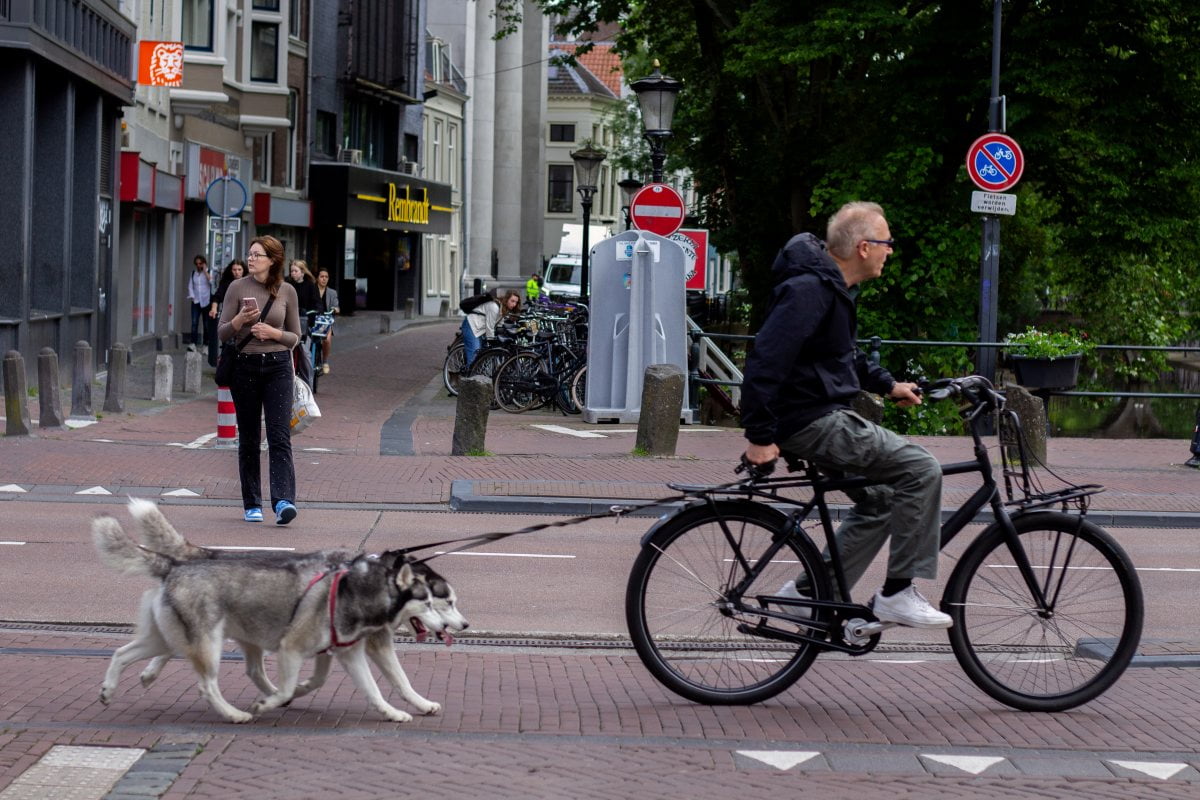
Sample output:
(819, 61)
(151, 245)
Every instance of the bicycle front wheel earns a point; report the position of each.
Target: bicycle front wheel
(516, 383)
(579, 388)
(1052, 656)
(680, 602)
(453, 367)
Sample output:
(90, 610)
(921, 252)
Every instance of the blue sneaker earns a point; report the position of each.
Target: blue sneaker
(253, 515)
(285, 512)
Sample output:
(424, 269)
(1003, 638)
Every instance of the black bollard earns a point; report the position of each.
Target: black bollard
(49, 390)
(15, 409)
(81, 381)
(114, 390)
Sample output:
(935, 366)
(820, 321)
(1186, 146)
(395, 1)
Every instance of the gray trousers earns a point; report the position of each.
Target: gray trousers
(906, 505)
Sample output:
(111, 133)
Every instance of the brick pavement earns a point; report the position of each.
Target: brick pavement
(530, 723)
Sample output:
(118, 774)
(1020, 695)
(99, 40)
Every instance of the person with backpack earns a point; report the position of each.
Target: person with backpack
(483, 311)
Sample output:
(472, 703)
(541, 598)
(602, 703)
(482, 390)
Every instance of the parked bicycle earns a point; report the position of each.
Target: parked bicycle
(542, 374)
(1047, 607)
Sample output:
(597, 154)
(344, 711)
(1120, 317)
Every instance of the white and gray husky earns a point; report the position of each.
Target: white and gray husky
(295, 605)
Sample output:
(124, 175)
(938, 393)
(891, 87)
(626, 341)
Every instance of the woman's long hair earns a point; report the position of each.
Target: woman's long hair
(227, 274)
(274, 250)
(306, 275)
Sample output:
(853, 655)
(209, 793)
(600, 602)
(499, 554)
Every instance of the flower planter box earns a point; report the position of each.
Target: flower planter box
(1046, 373)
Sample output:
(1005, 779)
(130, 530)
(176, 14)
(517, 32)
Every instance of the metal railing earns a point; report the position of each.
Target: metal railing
(875, 344)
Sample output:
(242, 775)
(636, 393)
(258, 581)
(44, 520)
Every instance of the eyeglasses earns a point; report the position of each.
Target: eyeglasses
(252, 256)
(888, 243)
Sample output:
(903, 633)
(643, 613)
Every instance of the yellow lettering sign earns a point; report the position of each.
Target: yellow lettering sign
(405, 209)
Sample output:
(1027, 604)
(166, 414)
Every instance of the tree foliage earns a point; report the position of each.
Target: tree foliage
(792, 108)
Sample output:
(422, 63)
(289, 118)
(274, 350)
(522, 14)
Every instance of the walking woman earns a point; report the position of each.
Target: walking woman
(262, 311)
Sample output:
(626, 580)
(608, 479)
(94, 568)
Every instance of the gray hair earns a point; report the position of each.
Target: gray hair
(851, 224)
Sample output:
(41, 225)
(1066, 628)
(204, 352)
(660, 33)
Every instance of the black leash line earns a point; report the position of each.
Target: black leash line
(478, 540)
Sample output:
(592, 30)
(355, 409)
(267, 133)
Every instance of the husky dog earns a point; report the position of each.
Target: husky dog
(160, 536)
(295, 609)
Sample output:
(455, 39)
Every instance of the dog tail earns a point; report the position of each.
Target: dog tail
(160, 535)
(122, 553)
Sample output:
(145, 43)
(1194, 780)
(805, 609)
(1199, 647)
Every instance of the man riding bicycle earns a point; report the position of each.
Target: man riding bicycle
(799, 381)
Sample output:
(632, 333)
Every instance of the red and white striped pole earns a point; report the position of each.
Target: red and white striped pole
(227, 432)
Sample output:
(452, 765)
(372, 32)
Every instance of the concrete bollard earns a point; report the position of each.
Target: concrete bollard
(15, 409)
(118, 370)
(409, 305)
(164, 377)
(1031, 411)
(662, 403)
(385, 323)
(444, 311)
(81, 381)
(471, 415)
(192, 361)
(49, 390)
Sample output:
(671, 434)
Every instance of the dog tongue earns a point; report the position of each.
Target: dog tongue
(446, 637)
(418, 629)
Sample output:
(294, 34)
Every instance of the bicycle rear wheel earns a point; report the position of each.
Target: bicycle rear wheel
(681, 614)
(1052, 657)
(454, 366)
(579, 387)
(516, 383)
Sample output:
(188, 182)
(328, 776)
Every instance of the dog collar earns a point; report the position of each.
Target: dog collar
(333, 586)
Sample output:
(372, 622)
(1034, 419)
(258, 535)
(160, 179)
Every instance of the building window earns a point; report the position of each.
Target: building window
(290, 155)
(266, 5)
(264, 52)
(452, 155)
(562, 133)
(326, 134)
(561, 189)
(435, 163)
(296, 19)
(262, 159)
(198, 24)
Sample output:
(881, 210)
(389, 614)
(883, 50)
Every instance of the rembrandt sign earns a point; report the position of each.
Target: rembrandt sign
(406, 209)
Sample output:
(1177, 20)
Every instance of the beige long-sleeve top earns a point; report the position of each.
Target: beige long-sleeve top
(284, 315)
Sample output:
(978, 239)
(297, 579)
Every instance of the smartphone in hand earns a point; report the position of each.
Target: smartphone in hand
(249, 304)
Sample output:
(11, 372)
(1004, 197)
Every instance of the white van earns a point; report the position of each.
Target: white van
(564, 271)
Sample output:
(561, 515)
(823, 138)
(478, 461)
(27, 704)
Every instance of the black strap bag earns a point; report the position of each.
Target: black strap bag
(224, 374)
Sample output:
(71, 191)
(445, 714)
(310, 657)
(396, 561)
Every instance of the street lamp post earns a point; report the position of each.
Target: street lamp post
(629, 187)
(587, 167)
(656, 97)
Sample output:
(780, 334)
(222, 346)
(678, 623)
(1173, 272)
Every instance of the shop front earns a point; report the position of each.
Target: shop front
(369, 225)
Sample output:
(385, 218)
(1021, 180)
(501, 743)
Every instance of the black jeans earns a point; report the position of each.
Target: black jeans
(262, 385)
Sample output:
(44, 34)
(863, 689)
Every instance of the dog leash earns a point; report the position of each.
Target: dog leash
(333, 587)
(471, 542)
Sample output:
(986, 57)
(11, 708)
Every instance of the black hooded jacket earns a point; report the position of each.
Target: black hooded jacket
(805, 362)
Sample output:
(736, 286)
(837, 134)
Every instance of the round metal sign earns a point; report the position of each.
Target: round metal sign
(657, 208)
(226, 197)
(995, 162)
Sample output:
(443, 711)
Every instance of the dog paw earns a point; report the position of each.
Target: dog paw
(106, 696)
(433, 710)
(148, 677)
(396, 715)
(239, 717)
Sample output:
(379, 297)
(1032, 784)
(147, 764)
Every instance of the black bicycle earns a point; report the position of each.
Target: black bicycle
(1047, 608)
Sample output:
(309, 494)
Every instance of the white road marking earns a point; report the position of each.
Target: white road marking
(584, 434)
(180, 493)
(779, 759)
(319, 449)
(195, 444)
(94, 490)
(570, 431)
(1100, 569)
(246, 547)
(80, 423)
(501, 555)
(971, 764)
(13, 543)
(12, 487)
(1155, 769)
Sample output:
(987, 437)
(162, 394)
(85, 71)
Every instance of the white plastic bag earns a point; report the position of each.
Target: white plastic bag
(304, 407)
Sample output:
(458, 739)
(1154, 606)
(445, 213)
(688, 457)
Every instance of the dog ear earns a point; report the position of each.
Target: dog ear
(405, 577)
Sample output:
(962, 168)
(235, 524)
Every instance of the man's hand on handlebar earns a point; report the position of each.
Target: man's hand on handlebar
(905, 394)
(761, 453)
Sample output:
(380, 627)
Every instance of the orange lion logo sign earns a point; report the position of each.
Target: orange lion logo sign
(160, 64)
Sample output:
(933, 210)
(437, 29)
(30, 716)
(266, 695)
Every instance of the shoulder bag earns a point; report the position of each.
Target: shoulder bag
(229, 351)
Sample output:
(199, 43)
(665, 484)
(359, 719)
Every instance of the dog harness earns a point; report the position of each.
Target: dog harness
(333, 586)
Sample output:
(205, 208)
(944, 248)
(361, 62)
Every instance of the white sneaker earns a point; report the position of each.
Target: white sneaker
(909, 608)
(789, 590)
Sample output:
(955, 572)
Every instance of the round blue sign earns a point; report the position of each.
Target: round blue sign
(995, 162)
(226, 197)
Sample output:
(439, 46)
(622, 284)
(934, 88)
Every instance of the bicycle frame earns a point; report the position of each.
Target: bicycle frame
(827, 634)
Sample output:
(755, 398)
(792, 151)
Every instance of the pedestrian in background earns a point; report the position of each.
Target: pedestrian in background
(263, 379)
(480, 323)
(200, 293)
(327, 302)
(235, 269)
(533, 288)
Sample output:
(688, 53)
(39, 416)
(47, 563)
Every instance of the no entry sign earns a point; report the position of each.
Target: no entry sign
(995, 162)
(657, 208)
